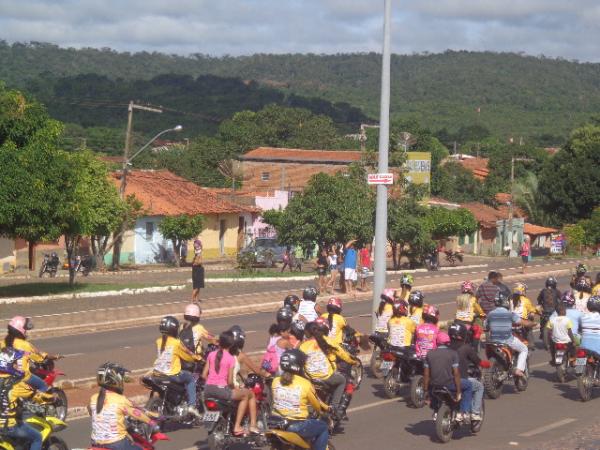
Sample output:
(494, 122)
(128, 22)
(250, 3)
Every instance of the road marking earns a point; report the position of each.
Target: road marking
(548, 427)
(374, 404)
(71, 355)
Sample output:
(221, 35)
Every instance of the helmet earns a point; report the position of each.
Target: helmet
(467, 287)
(310, 293)
(239, 337)
(519, 289)
(551, 282)
(406, 280)
(192, 311)
(169, 325)
(297, 329)
(20, 324)
(593, 303)
(568, 299)
(111, 376)
(457, 331)
(388, 295)
(322, 325)
(581, 269)
(582, 284)
(501, 300)
(416, 298)
(334, 305)
(292, 361)
(400, 308)
(443, 338)
(8, 357)
(285, 314)
(292, 301)
(431, 311)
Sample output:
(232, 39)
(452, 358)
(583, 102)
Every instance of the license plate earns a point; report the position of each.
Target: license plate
(558, 358)
(211, 416)
(386, 366)
(580, 365)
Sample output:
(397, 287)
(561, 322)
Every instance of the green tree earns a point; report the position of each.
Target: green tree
(569, 183)
(457, 184)
(443, 223)
(576, 239)
(179, 229)
(592, 228)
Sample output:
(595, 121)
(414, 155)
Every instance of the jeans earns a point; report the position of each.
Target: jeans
(185, 377)
(337, 382)
(37, 383)
(518, 346)
(312, 430)
(477, 388)
(467, 395)
(123, 444)
(24, 431)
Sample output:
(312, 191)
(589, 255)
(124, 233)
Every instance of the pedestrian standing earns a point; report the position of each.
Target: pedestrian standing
(341, 262)
(525, 253)
(298, 258)
(287, 256)
(332, 259)
(197, 272)
(322, 266)
(350, 260)
(365, 266)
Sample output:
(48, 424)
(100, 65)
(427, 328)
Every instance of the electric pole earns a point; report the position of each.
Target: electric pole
(384, 141)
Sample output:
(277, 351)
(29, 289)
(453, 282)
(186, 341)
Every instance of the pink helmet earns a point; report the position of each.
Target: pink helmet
(431, 311)
(443, 338)
(192, 310)
(20, 324)
(467, 287)
(388, 295)
(335, 302)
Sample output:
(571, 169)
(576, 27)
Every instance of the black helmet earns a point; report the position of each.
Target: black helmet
(285, 314)
(292, 301)
(239, 337)
(292, 361)
(501, 300)
(581, 269)
(593, 303)
(583, 285)
(310, 293)
(111, 376)
(457, 331)
(252, 380)
(297, 329)
(169, 325)
(551, 282)
(416, 298)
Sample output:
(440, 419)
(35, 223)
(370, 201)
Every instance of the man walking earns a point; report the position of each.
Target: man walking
(350, 267)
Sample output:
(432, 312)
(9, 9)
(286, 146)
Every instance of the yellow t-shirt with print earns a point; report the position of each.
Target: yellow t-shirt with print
(525, 308)
(109, 425)
(318, 364)
(415, 313)
(384, 317)
(468, 315)
(30, 353)
(169, 359)
(401, 331)
(336, 334)
(292, 401)
(199, 333)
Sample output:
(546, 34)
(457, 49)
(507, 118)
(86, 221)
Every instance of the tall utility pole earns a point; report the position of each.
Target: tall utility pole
(512, 201)
(130, 109)
(384, 141)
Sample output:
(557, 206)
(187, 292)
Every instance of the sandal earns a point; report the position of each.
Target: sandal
(241, 433)
(255, 431)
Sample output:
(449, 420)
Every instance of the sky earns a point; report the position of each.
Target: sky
(568, 29)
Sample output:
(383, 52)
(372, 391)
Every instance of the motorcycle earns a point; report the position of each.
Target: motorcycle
(446, 420)
(82, 264)
(49, 265)
(562, 361)
(46, 371)
(219, 418)
(142, 434)
(351, 343)
(325, 393)
(503, 360)
(379, 341)
(587, 368)
(34, 416)
(452, 257)
(403, 368)
(278, 438)
(432, 260)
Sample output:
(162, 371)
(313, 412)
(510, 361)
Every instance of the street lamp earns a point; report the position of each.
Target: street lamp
(127, 162)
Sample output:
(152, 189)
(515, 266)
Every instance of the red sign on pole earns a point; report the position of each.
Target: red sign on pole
(380, 178)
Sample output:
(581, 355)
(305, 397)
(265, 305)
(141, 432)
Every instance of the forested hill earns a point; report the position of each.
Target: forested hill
(518, 95)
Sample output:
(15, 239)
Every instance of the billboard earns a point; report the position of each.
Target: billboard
(418, 167)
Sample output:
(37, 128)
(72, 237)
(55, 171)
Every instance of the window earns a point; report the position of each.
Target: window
(265, 176)
(149, 230)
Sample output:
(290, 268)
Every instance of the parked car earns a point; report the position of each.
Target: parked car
(266, 251)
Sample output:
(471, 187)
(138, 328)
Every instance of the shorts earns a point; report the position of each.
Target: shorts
(364, 272)
(322, 271)
(333, 267)
(220, 392)
(349, 274)
(525, 259)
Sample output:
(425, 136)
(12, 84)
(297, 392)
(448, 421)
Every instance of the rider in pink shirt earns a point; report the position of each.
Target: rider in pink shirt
(427, 332)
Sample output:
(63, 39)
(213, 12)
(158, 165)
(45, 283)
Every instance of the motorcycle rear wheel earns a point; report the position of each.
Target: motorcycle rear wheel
(417, 392)
(585, 383)
(561, 371)
(492, 388)
(443, 424)
(216, 437)
(390, 383)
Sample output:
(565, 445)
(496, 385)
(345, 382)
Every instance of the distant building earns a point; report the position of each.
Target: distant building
(477, 166)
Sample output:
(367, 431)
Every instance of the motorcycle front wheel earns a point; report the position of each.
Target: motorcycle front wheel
(55, 443)
(375, 363)
(356, 372)
(61, 404)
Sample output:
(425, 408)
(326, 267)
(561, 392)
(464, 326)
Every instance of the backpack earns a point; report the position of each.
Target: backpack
(187, 339)
(270, 360)
(548, 299)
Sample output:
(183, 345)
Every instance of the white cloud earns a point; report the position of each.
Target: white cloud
(566, 28)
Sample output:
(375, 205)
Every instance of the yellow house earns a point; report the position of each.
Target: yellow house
(165, 194)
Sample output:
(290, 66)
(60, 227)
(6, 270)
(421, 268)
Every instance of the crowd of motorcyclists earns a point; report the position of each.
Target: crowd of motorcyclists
(299, 392)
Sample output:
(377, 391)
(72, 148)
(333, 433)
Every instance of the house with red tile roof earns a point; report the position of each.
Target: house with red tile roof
(477, 166)
(162, 194)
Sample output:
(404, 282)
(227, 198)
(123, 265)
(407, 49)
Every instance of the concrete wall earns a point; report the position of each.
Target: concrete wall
(210, 236)
(8, 255)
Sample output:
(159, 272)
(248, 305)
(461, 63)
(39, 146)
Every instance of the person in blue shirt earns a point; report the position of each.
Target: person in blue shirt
(590, 325)
(500, 323)
(568, 299)
(350, 267)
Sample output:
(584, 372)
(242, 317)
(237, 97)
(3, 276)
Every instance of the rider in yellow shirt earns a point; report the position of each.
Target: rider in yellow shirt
(401, 329)
(522, 306)
(292, 395)
(109, 408)
(171, 352)
(596, 288)
(415, 309)
(467, 307)
(336, 321)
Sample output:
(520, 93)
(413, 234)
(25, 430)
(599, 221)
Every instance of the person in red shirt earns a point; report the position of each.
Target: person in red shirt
(365, 266)
(525, 253)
